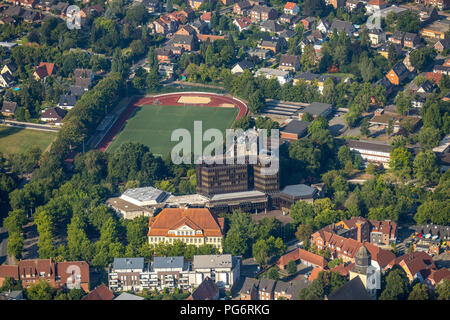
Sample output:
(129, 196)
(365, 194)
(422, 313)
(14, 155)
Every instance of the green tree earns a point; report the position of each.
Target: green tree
(40, 291)
(443, 290)
(273, 273)
(400, 162)
(397, 285)
(419, 292)
(426, 167)
(291, 267)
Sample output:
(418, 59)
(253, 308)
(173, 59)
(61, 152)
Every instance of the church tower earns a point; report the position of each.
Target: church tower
(369, 275)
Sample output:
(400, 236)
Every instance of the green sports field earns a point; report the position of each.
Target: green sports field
(14, 140)
(153, 125)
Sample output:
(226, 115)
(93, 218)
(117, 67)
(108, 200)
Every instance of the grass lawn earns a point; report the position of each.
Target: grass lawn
(153, 125)
(13, 140)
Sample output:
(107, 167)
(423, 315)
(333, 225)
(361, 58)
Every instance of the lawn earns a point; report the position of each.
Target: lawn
(13, 140)
(153, 125)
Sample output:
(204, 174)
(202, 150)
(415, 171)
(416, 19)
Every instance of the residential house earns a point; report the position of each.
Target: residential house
(200, 27)
(343, 26)
(281, 75)
(67, 101)
(31, 16)
(186, 30)
(54, 115)
(375, 5)
(9, 67)
(152, 6)
(164, 25)
(242, 23)
(44, 70)
(272, 44)
(291, 8)
(288, 18)
(414, 264)
(289, 290)
(263, 13)
(207, 290)
(398, 121)
(9, 108)
(266, 289)
(411, 40)
(100, 293)
(287, 34)
(307, 76)
(167, 70)
(6, 80)
(242, 8)
(398, 37)
(436, 277)
(440, 4)
(195, 4)
(383, 232)
(223, 269)
(195, 226)
(336, 3)
(186, 42)
(352, 5)
(308, 22)
(206, 17)
(260, 53)
(249, 290)
(125, 296)
(164, 55)
(239, 67)
(271, 26)
(83, 77)
(376, 36)
(323, 26)
(442, 44)
(398, 73)
(68, 274)
(289, 62)
(76, 91)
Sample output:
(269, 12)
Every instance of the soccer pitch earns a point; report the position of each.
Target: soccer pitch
(13, 140)
(153, 125)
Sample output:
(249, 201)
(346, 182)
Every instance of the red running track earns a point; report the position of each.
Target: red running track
(170, 99)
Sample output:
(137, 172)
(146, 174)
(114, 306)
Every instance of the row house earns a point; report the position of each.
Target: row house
(415, 264)
(242, 8)
(134, 274)
(67, 274)
(164, 26)
(263, 13)
(266, 289)
(398, 73)
(440, 4)
(304, 257)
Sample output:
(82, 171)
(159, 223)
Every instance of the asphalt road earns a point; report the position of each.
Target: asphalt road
(3, 245)
(29, 126)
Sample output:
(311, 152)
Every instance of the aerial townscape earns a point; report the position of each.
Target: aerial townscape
(95, 97)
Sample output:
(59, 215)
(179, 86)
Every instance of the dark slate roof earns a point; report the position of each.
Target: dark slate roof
(67, 100)
(398, 35)
(400, 69)
(369, 145)
(299, 190)
(287, 34)
(245, 64)
(129, 263)
(181, 39)
(56, 112)
(292, 288)
(168, 262)
(207, 290)
(9, 106)
(307, 76)
(340, 25)
(266, 285)
(76, 91)
(296, 127)
(272, 26)
(445, 42)
(288, 60)
(352, 290)
(385, 83)
(410, 36)
(316, 108)
(249, 283)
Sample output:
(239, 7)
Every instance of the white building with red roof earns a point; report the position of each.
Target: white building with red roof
(291, 8)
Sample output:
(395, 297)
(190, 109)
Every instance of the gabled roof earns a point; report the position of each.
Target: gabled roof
(9, 106)
(54, 113)
(289, 60)
(351, 290)
(100, 293)
(207, 290)
(400, 69)
(290, 5)
(128, 263)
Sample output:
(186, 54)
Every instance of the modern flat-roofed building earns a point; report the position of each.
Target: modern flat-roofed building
(316, 109)
(293, 193)
(294, 130)
(145, 196)
(248, 201)
(223, 269)
(369, 151)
